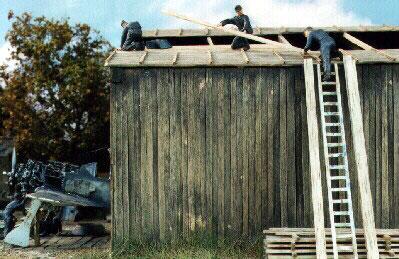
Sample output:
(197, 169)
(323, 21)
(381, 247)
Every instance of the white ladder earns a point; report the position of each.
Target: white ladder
(336, 163)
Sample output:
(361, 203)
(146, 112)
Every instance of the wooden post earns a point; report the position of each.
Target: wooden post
(359, 146)
(314, 157)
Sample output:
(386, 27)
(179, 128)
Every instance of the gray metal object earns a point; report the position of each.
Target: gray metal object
(19, 236)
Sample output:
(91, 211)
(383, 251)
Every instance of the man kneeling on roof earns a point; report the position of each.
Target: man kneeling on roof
(327, 48)
(132, 36)
(243, 24)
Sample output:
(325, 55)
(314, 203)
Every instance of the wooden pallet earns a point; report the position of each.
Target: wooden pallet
(284, 243)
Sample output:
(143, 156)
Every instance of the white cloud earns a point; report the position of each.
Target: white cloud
(268, 13)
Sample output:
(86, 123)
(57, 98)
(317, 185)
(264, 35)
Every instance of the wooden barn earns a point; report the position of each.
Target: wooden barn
(207, 140)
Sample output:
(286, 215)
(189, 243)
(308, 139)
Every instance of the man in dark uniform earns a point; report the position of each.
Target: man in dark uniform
(327, 48)
(132, 36)
(243, 24)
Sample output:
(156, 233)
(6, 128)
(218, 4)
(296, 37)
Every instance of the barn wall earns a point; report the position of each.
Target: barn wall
(224, 150)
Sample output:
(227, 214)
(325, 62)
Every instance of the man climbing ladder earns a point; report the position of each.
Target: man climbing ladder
(327, 48)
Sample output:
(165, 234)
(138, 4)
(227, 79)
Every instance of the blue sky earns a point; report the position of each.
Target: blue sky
(105, 15)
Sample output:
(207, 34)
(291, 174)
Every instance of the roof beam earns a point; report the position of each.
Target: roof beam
(365, 46)
(210, 42)
(282, 39)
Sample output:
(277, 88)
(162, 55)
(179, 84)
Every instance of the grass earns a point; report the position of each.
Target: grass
(194, 248)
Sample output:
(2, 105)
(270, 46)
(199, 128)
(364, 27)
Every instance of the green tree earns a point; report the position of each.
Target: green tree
(55, 103)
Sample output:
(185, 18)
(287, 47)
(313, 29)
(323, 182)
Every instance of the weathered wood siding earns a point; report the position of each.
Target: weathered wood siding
(224, 150)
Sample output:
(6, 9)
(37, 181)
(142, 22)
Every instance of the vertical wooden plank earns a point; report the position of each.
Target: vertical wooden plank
(237, 156)
(131, 175)
(276, 146)
(251, 150)
(113, 123)
(315, 160)
(125, 161)
(201, 120)
(298, 154)
(228, 77)
(378, 132)
(220, 148)
(209, 150)
(185, 82)
(270, 145)
(258, 152)
(385, 208)
(146, 156)
(283, 147)
(361, 157)
(390, 135)
(119, 166)
(264, 74)
(163, 153)
(176, 182)
(215, 151)
(395, 84)
(372, 132)
(367, 110)
(193, 109)
(234, 230)
(134, 155)
(291, 143)
(245, 165)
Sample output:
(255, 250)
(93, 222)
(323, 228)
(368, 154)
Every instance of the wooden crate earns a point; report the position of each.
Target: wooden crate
(284, 243)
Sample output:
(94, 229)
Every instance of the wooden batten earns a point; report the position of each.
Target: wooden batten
(315, 169)
(359, 146)
(282, 39)
(210, 58)
(279, 57)
(142, 58)
(245, 56)
(209, 40)
(174, 61)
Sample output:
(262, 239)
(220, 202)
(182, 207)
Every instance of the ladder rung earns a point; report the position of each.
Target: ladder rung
(342, 225)
(330, 103)
(330, 124)
(336, 155)
(329, 93)
(344, 236)
(335, 145)
(341, 177)
(341, 213)
(332, 113)
(344, 189)
(330, 134)
(341, 201)
(337, 167)
(345, 248)
(328, 83)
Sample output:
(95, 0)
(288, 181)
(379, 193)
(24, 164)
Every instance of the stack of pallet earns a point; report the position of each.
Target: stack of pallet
(284, 243)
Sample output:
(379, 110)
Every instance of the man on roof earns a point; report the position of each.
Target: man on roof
(243, 24)
(327, 47)
(132, 36)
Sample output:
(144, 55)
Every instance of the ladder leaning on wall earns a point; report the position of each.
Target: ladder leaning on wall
(336, 166)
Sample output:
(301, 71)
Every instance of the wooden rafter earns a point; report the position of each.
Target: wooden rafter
(244, 56)
(174, 61)
(282, 39)
(142, 59)
(347, 53)
(210, 59)
(365, 46)
(210, 42)
(279, 56)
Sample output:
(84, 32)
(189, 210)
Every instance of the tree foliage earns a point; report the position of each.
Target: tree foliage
(55, 102)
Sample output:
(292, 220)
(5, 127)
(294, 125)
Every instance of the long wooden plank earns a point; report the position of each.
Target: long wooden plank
(283, 147)
(395, 104)
(361, 156)
(258, 184)
(315, 170)
(234, 32)
(365, 46)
